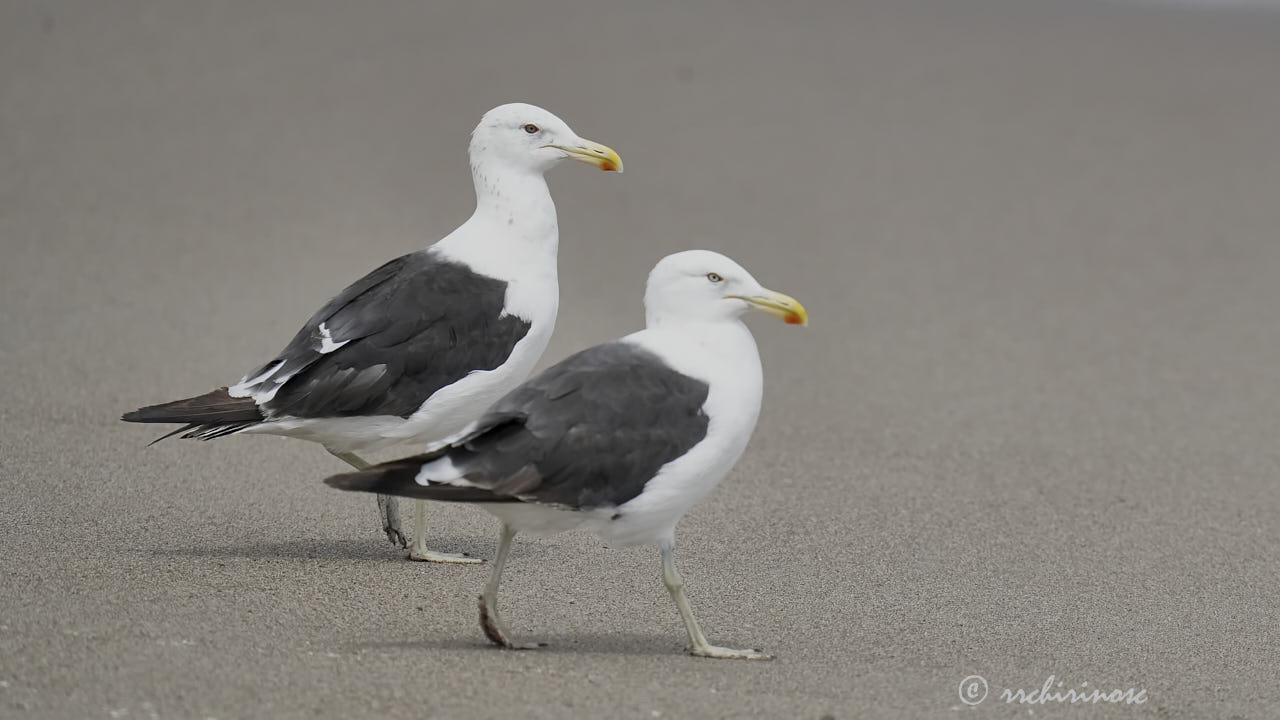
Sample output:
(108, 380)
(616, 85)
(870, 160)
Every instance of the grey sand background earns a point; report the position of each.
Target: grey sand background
(1032, 430)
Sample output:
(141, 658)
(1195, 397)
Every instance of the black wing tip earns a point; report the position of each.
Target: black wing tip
(213, 408)
(400, 478)
(353, 482)
(397, 478)
(168, 435)
(148, 414)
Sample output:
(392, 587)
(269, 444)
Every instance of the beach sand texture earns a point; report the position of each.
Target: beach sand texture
(1032, 430)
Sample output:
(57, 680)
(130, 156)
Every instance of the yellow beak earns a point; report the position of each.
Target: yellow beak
(592, 153)
(779, 305)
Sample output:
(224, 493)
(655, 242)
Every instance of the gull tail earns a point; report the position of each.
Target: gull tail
(400, 478)
(207, 416)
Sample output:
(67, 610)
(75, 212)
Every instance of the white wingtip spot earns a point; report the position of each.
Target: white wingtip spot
(245, 387)
(440, 471)
(327, 345)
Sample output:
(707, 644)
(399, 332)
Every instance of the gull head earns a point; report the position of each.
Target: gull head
(705, 286)
(522, 136)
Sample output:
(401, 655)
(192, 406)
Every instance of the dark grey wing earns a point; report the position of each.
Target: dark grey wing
(588, 432)
(389, 341)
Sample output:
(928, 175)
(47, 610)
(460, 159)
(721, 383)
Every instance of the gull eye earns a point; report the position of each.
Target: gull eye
(713, 277)
(531, 128)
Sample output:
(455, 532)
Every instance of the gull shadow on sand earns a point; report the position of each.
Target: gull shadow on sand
(588, 643)
(375, 549)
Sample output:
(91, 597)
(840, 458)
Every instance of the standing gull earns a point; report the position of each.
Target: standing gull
(418, 348)
(622, 438)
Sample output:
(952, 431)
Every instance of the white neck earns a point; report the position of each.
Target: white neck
(519, 192)
(514, 219)
(720, 349)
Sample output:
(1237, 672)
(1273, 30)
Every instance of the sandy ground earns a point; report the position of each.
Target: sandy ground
(1032, 431)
